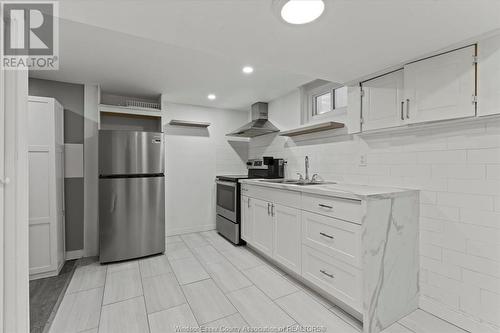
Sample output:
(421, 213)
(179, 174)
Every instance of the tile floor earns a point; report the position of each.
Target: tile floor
(203, 281)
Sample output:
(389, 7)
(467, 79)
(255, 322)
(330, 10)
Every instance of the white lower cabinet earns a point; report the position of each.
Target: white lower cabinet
(358, 251)
(246, 219)
(263, 233)
(287, 235)
(338, 279)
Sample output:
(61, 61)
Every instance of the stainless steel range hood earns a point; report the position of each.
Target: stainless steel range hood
(259, 124)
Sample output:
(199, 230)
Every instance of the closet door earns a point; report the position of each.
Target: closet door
(441, 87)
(382, 102)
(41, 157)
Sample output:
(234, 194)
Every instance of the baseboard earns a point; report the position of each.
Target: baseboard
(76, 254)
(454, 317)
(180, 231)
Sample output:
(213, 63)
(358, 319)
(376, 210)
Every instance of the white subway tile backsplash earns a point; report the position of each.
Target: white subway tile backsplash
(431, 251)
(444, 296)
(485, 187)
(490, 306)
(484, 156)
(470, 201)
(442, 268)
(484, 249)
(440, 212)
(442, 157)
(480, 280)
(484, 218)
(474, 263)
(458, 171)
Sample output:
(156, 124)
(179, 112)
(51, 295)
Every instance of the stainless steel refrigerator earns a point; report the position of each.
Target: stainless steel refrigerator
(131, 194)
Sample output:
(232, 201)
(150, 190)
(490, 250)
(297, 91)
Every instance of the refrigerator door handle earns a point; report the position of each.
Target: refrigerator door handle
(113, 203)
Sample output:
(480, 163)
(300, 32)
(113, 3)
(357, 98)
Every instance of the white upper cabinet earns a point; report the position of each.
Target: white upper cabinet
(441, 87)
(489, 76)
(382, 102)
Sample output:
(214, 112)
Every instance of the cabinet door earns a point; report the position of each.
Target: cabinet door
(488, 67)
(263, 229)
(441, 87)
(382, 103)
(287, 237)
(246, 219)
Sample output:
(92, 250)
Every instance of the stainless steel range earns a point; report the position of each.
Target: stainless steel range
(228, 194)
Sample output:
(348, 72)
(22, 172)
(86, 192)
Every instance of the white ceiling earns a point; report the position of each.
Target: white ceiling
(189, 48)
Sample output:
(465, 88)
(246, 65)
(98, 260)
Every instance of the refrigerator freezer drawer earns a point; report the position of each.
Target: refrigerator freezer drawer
(130, 152)
(131, 217)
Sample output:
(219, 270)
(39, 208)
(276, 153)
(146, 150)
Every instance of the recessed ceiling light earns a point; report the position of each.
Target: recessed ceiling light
(211, 97)
(247, 70)
(302, 11)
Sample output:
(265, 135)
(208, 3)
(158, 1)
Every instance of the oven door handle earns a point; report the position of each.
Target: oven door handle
(221, 182)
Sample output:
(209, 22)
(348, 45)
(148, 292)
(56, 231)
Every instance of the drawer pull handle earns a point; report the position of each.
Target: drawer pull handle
(331, 276)
(325, 206)
(326, 235)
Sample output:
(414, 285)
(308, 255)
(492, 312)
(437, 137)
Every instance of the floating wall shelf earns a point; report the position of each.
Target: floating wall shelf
(330, 125)
(188, 123)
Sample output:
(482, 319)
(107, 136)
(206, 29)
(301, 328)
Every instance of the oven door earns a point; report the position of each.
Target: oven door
(227, 199)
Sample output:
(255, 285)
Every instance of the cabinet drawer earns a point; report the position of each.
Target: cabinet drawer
(344, 209)
(278, 196)
(335, 237)
(334, 277)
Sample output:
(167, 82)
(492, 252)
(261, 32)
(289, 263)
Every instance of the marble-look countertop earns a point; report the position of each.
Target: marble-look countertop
(343, 190)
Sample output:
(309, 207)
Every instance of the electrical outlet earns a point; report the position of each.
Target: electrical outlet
(363, 161)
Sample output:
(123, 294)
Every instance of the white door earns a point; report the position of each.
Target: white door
(287, 237)
(441, 87)
(383, 101)
(488, 67)
(246, 219)
(262, 226)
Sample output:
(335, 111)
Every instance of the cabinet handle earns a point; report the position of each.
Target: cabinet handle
(402, 110)
(248, 203)
(272, 209)
(331, 276)
(268, 209)
(326, 235)
(407, 108)
(325, 206)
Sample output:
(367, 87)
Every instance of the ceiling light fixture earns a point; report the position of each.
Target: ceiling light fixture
(247, 70)
(302, 11)
(211, 97)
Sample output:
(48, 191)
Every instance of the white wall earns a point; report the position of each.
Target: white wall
(194, 158)
(458, 170)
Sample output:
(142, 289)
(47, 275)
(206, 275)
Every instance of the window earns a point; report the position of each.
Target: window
(323, 101)
(331, 100)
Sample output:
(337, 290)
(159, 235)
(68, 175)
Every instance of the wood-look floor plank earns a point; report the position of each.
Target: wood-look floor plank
(270, 282)
(124, 317)
(156, 265)
(420, 321)
(242, 258)
(257, 309)
(207, 301)
(307, 312)
(167, 321)
(162, 292)
(194, 240)
(122, 285)
(78, 311)
(226, 276)
(87, 277)
(188, 270)
(208, 254)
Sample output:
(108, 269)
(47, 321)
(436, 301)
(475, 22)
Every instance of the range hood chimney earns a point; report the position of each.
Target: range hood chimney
(259, 124)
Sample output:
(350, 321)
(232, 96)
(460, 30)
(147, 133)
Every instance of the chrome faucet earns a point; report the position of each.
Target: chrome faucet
(307, 168)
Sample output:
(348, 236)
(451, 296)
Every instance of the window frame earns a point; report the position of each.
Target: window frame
(311, 92)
